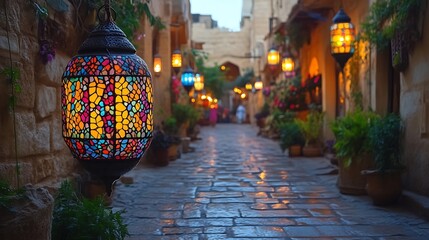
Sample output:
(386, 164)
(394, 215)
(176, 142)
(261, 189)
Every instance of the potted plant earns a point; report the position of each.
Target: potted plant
(384, 182)
(158, 150)
(353, 150)
(193, 130)
(182, 113)
(311, 129)
(170, 128)
(291, 138)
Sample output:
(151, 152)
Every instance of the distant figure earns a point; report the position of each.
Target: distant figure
(240, 114)
(213, 116)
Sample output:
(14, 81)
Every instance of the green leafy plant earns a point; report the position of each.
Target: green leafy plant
(182, 113)
(80, 218)
(12, 75)
(7, 194)
(385, 138)
(214, 78)
(351, 135)
(311, 128)
(170, 126)
(290, 134)
(194, 116)
(388, 17)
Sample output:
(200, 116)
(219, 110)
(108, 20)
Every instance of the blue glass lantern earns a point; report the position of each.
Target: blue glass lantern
(188, 78)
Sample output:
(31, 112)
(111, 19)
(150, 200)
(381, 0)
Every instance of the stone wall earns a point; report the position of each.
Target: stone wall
(41, 152)
(414, 109)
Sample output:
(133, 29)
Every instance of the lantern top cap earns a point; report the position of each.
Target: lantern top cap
(188, 69)
(341, 17)
(107, 38)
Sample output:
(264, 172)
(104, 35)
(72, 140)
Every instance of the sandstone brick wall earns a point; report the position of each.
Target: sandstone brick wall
(42, 154)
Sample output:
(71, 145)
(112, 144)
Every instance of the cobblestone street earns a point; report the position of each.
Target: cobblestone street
(237, 185)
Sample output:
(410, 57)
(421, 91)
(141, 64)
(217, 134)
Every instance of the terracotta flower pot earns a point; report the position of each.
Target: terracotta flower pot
(383, 187)
(311, 151)
(350, 180)
(295, 150)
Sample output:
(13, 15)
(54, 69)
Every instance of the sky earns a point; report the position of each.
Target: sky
(227, 13)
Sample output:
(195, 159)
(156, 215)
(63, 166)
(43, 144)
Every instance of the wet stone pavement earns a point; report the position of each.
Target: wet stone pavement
(237, 185)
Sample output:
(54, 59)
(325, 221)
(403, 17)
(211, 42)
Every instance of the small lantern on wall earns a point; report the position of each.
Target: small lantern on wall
(106, 103)
(188, 78)
(248, 86)
(342, 38)
(176, 60)
(288, 65)
(273, 57)
(259, 85)
(199, 82)
(157, 65)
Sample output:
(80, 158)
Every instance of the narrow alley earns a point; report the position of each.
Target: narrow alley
(237, 185)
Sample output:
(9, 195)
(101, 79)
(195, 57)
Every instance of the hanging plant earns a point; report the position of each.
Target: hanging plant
(388, 18)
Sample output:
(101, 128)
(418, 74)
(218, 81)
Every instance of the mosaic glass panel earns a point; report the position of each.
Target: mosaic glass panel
(107, 107)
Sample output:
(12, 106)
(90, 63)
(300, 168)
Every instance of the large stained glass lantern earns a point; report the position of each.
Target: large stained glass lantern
(199, 82)
(106, 103)
(176, 60)
(188, 78)
(342, 38)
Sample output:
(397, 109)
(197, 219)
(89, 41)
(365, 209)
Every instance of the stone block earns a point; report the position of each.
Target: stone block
(57, 141)
(31, 218)
(43, 167)
(42, 138)
(52, 72)
(32, 138)
(46, 101)
(8, 173)
(64, 163)
(13, 40)
(28, 87)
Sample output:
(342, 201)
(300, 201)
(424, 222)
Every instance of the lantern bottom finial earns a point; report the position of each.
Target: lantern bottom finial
(109, 171)
(342, 58)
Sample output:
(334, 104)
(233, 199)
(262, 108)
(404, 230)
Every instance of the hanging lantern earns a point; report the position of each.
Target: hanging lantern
(288, 65)
(176, 60)
(188, 78)
(106, 103)
(199, 82)
(273, 57)
(157, 65)
(248, 86)
(259, 85)
(342, 38)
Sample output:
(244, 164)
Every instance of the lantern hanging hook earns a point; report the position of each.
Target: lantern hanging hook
(108, 10)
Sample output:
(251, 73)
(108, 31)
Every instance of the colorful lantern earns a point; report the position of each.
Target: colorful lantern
(259, 85)
(199, 82)
(176, 60)
(342, 38)
(106, 103)
(248, 86)
(288, 66)
(188, 78)
(157, 65)
(273, 57)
